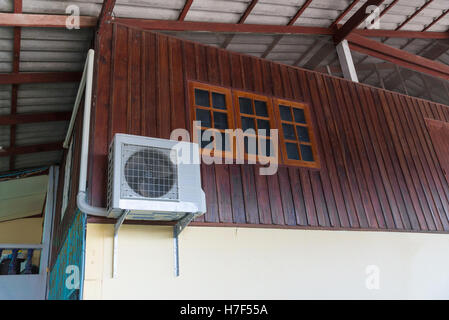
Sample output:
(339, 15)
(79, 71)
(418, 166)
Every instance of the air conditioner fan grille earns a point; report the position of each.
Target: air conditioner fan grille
(148, 173)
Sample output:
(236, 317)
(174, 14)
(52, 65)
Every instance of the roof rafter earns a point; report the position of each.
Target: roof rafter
(344, 13)
(241, 20)
(185, 10)
(106, 12)
(299, 12)
(414, 14)
(248, 11)
(355, 20)
(278, 38)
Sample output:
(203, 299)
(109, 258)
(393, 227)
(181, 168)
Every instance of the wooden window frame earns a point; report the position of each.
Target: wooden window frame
(309, 124)
(252, 96)
(235, 122)
(229, 111)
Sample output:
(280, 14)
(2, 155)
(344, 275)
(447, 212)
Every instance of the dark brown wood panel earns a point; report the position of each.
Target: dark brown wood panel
(381, 168)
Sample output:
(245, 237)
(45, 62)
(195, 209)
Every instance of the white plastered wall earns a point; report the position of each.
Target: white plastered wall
(249, 263)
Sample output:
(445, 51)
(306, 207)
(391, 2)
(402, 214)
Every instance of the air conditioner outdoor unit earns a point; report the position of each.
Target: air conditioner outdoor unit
(154, 179)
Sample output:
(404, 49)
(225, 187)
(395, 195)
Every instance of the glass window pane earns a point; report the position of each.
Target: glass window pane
(250, 145)
(263, 125)
(224, 144)
(220, 120)
(248, 123)
(285, 113)
(289, 131)
(205, 144)
(246, 106)
(303, 133)
(261, 108)
(292, 151)
(202, 98)
(266, 148)
(299, 115)
(306, 152)
(218, 100)
(204, 117)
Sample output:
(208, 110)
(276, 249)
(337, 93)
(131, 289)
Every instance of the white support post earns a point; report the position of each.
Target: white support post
(346, 63)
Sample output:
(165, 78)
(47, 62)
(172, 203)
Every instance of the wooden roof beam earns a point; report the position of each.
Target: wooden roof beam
(278, 38)
(185, 10)
(355, 20)
(344, 13)
(299, 12)
(400, 57)
(42, 20)
(248, 11)
(171, 25)
(39, 77)
(414, 14)
(241, 20)
(106, 12)
(31, 149)
(14, 119)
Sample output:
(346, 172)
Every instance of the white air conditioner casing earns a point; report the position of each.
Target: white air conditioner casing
(148, 177)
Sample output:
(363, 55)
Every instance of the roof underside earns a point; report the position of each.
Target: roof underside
(63, 50)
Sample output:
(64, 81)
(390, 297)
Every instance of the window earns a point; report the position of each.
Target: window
(212, 107)
(255, 112)
(217, 108)
(296, 136)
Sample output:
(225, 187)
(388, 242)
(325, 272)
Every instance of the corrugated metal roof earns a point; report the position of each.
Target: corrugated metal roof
(4, 136)
(46, 97)
(40, 132)
(42, 50)
(5, 99)
(37, 159)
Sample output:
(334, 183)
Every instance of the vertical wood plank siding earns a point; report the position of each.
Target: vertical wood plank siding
(379, 169)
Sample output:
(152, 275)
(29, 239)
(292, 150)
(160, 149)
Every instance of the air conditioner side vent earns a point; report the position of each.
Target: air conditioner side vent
(110, 175)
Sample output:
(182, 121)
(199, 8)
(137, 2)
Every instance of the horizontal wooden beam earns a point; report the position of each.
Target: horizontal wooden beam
(42, 20)
(379, 33)
(31, 149)
(35, 20)
(399, 57)
(170, 25)
(13, 119)
(39, 77)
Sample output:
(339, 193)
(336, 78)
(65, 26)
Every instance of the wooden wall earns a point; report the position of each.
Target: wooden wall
(378, 170)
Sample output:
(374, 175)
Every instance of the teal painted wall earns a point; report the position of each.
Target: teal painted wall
(66, 277)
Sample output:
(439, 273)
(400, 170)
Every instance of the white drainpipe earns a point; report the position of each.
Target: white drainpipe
(87, 79)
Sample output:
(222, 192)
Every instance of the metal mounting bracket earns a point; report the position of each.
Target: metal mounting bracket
(177, 229)
(117, 226)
